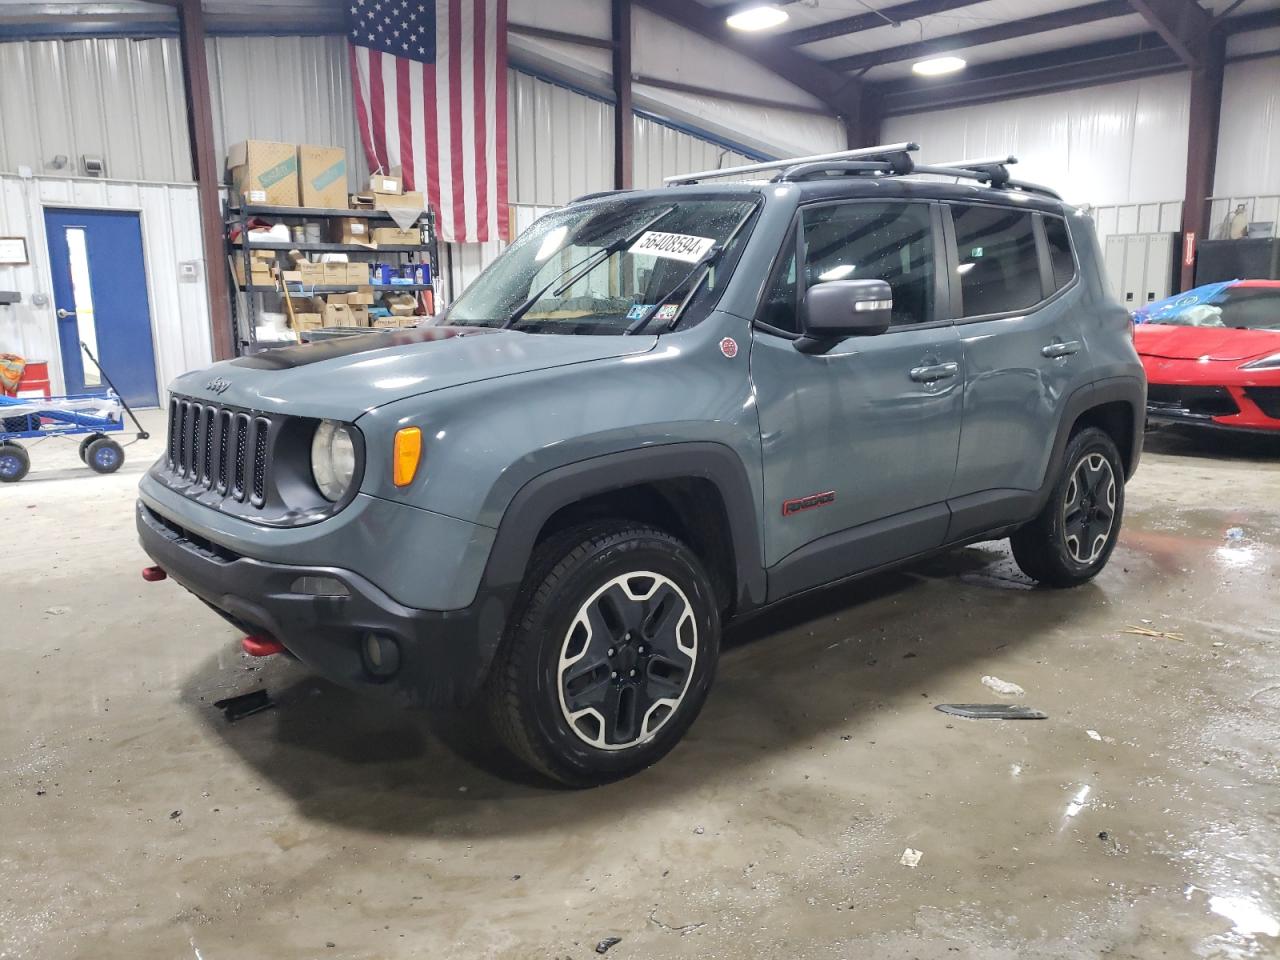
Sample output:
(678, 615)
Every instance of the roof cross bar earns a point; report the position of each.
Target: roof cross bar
(896, 165)
(886, 151)
(992, 170)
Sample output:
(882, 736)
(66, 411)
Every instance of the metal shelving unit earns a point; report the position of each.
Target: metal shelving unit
(247, 303)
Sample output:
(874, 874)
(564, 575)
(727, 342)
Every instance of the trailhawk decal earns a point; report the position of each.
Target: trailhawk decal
(790, 507)
(673, 246)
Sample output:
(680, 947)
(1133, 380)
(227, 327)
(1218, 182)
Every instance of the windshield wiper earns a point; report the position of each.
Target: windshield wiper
(704, 264)
(587, 264)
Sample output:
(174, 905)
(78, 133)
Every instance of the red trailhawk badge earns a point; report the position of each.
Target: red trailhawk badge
(729, 347)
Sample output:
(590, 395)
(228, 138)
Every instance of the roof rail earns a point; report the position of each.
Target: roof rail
(886, 151)
(992, 171)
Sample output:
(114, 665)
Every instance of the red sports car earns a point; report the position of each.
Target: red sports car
(1212, 356)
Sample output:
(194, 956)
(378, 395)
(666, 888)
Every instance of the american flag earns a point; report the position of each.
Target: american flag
(430, 80)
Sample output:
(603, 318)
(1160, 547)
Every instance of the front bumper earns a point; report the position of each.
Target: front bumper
(1214, 394)
(443, 655)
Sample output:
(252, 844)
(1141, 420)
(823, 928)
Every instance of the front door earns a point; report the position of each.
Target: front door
(859, 443)
(100, 295)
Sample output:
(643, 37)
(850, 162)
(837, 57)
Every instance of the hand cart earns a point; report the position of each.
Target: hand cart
(39, 418)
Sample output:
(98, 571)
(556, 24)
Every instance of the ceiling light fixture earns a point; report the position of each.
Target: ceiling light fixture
(762, 16)
(937, 66)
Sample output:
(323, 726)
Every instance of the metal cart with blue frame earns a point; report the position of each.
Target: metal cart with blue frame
(89, 417)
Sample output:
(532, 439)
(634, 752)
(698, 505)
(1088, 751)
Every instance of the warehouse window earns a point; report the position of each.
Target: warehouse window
(998, 266)
(1060, 258)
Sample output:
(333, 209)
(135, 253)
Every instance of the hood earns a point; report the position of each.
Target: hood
(1192, 343)
(346, 377)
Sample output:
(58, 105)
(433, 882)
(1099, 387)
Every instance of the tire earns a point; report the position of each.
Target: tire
(14, 462)
(104, 455)
(633, 606)
(1071, 540)
(84, 446)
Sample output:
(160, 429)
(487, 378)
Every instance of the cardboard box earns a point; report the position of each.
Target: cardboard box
(322, 172)
(399, 201)
(352, 230)
(307, 321)
(268, 255)
(337, 315)
(362, 201)
(391, 182)
(358, 273)
(395, 237)
(259, 274)
(311, 274)
(364, 295)
(335, 274)
(359, 315)
(265, 172)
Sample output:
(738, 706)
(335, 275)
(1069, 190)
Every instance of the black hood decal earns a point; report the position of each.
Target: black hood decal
(286, 358)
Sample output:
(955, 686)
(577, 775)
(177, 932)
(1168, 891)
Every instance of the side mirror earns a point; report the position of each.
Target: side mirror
(843, 308)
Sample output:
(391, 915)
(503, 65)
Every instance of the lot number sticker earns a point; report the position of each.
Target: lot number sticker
(673, 246)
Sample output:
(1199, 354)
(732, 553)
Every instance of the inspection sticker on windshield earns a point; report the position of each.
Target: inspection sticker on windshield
(673, 246)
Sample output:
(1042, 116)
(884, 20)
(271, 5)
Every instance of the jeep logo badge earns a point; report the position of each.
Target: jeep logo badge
(218, 385)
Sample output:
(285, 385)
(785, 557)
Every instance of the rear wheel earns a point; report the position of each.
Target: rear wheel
(1072, 538)
(104, 455)
(609, 655)
(84, 446)
(14, 462)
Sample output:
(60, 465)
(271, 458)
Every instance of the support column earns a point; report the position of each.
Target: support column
(1202, 150)
(195, 80)
(623, 115)
(863, 119)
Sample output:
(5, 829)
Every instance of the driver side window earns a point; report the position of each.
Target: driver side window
(860, 241)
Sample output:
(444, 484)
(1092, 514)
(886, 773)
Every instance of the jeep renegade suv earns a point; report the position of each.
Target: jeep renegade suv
(657, 411)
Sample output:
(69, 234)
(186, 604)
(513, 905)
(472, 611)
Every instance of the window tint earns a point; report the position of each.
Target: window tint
(875, 241)
(999, 270)
(1064, 265)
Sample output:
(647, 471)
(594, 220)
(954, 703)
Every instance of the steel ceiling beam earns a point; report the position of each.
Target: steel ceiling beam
(912, 10)
(840, 93)
(1183, 24)
(1073, 17)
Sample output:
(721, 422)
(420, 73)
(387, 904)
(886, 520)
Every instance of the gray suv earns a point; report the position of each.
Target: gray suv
(656, 412)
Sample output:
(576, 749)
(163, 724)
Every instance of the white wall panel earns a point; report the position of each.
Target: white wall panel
(1120, 143)
(560, 143)
(662, 151)
(114, 98)
(295, 89)
(1249, 131)
(170, 234)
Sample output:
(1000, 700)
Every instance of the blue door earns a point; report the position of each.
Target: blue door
(100, 295)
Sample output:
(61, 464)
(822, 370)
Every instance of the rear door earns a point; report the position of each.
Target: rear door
(859, 443)
(1016, 293)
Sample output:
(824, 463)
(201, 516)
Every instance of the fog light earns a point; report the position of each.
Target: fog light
(381, 655)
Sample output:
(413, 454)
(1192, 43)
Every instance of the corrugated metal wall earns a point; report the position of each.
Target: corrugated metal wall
(170, 234)
(114, 98)
(662, 151)
(560, 143)
(295, 89)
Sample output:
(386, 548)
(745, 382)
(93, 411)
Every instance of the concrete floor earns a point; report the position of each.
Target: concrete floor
(1142, 819)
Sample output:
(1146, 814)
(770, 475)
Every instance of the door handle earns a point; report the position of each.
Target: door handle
(1060, 349)
(934, 372)
(63, 314)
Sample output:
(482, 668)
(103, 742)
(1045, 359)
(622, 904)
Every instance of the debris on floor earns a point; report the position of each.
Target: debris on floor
(244, 705)
(1094, 735)
(607, 943)
(1157, 634)
(1003, 687)
(911, 858)
(1235, 533)
(992, 711)
(1111, 845)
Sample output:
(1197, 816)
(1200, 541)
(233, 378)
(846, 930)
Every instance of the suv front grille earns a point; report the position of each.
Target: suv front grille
(1197, 401)
(199, 430)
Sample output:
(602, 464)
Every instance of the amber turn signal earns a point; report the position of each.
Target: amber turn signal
(408, 451)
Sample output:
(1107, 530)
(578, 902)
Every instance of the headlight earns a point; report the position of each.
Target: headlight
(1266, 363)
(333, 459)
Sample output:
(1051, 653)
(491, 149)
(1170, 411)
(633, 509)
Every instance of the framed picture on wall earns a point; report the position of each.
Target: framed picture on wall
(13, 251)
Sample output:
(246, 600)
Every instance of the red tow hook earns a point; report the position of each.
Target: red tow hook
(154, 574)
(261, 646)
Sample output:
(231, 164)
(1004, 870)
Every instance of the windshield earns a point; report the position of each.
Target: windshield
(1241, 308)
(602, 268)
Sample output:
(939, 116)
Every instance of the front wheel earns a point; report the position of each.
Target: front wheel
(1072, 538)
(104, 455)
(14, 462)
(609, 656)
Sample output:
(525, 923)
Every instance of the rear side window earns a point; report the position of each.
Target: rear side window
(999, 269)
(1060, 258)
